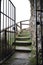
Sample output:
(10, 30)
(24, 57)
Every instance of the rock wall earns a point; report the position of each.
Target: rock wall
(33, 24)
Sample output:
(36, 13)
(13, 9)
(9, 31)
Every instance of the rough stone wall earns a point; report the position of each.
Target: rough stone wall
(33, 24)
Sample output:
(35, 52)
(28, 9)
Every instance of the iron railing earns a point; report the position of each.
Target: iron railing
(7, 22)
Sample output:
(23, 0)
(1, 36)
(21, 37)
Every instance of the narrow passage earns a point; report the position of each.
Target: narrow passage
(18, 58)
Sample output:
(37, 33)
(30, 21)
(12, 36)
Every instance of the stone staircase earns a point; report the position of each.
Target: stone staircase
(23, 47)
(23, 42)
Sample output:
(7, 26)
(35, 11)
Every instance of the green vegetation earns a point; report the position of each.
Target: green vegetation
(10, 38)
(11, 41)
(33, 58)
(40, 57)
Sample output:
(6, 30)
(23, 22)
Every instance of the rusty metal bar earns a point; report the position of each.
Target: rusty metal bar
(21, 25)
(12, 3)
(35, 2)
(41, 11)
(0, 29)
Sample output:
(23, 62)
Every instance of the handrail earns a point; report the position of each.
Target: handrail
(7, 28)
(10, 31)
(21, 24)
(12, 3)
(18, 22)
(7, 16)
(18, 25)
(23, 21)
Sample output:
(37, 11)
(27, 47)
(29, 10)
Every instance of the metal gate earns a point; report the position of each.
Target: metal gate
(7, 23)
(39, 31)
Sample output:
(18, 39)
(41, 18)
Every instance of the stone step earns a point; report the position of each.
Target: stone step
(24, 35)
(23, 38)
(23, 43)
(29, 41)
(23, 49)
(22, 55)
